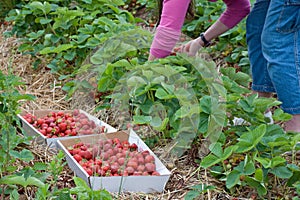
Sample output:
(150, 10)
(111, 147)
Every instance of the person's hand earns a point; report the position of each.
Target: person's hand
(190, 48)
(151, 57)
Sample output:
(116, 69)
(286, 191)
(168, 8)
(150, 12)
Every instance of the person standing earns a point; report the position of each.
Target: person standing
(273, 38)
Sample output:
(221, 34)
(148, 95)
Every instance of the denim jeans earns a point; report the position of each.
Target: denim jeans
(273, 38)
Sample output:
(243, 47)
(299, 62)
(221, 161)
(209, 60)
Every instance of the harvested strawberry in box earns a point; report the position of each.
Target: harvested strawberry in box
(112, 157)
(62, 124)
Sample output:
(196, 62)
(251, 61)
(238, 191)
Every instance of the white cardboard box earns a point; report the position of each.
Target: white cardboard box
(146, 184)
(52, 142)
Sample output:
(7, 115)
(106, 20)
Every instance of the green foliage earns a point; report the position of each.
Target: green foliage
(197, 190)
(10, 99)
(67, 33)
(83, 191)
(21, 180)
(261, 148)
(206, 13)
(161, 94)
(217, 155)
(56, 167)
(44, 177)
(5, 7)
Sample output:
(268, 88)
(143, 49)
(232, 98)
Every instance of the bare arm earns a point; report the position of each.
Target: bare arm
(215, 30)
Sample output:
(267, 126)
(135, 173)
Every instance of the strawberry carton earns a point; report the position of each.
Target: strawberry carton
(47, 126)
(117, 161)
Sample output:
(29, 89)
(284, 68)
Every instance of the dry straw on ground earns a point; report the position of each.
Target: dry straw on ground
(40, 83)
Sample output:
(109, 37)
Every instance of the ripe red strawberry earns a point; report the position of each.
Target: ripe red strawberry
(62, 126)
(77, 157)
(40, 121)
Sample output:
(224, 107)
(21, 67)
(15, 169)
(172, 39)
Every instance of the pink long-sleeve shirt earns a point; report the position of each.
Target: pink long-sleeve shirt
(173, 16)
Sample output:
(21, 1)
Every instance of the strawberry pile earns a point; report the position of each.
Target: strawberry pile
(61, 124)
(112, 157)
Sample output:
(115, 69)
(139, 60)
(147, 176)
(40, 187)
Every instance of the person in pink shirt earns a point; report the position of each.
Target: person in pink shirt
(171, 21)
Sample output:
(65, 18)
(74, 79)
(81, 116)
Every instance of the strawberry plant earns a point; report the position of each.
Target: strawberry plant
(206, 13)
(162, 95)
(5, 7)
(254, 158)
(118, 52)
(42, 178)
(66, 33)
(10, 99)
(167, 88)
(197, 190)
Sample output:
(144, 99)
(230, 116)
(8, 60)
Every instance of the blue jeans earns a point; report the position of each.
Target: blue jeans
(273, 38)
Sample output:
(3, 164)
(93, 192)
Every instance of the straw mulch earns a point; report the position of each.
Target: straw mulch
(40, 83)
(49, 95)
